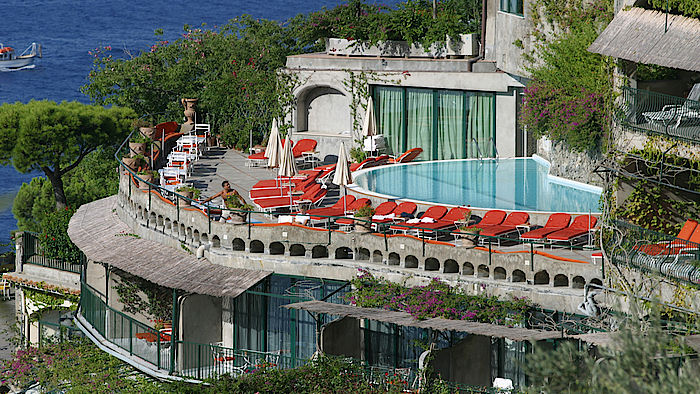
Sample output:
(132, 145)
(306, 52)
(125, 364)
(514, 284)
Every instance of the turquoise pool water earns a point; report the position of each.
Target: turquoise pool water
(512, 184)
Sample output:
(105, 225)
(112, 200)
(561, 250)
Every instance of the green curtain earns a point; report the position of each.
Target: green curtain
(419, 126)
(450, 129)
(390, 117)
(481, 125)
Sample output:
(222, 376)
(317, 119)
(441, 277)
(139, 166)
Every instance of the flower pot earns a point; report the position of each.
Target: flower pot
(132, 163)
(186, 201)
(167, 325)
(363, 224)
(238, 217)
(469, 238)
(137, 148)
(148, 132)
(145, 178)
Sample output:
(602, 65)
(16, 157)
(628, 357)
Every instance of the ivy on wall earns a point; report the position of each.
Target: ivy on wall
(157, 303)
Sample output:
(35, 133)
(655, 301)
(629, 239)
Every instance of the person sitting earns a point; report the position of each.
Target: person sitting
(225, 193)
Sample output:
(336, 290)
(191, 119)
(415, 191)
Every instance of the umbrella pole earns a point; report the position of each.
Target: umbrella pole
(290, 192)
(345, 200)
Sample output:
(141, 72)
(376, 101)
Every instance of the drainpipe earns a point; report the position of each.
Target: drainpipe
(482, 43)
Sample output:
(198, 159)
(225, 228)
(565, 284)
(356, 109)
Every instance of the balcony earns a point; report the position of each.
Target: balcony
(657, 113)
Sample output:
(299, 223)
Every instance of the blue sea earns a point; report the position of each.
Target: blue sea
(67, 30)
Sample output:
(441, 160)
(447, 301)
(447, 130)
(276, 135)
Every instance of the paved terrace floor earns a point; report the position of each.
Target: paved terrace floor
(219, 164)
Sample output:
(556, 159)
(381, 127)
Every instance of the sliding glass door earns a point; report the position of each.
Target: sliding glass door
(446, 124)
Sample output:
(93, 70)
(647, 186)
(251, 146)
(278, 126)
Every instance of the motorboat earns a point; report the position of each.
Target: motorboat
(10, 60)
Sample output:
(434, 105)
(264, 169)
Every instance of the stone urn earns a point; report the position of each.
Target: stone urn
(238, 217)
(137, 148)
(363, 224)
(190, 106)
(469, 236)
(148, 132)
(146, 177)
(188, 200)
(133, 163)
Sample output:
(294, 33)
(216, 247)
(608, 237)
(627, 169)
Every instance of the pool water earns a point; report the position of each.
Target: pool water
(510, 184)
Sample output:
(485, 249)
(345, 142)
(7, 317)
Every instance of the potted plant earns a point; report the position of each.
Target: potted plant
(469, 235)
(364, 215)
(145, 128)
(138, 144)
(147, 176)
(236, 208)
(134, 162)
(190, 193)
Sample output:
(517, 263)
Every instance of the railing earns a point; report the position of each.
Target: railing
(34, 254)
(658, 113)
(201, 360)
(60, 333)
(650, 251)
(125, 332)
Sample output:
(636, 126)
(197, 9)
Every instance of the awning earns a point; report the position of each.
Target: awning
(95, 228)
(405, 319)
(638, 35)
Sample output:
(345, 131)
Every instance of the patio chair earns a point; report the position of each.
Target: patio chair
(407, 156)
(556, 222)
(674, 114)
(581, 225)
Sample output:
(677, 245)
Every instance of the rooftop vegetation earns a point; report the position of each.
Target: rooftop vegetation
(414, 21)
(690, 8)
(437, 299)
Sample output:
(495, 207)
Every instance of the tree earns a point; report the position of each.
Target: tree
(92, 179)
(232, 70)
(55, 138)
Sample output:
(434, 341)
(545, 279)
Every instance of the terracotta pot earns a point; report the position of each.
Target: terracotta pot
(137, 148)
(184, 201)
(146, 178)
(238, 217)
(363, 224)
(148, 132)
(167, 324)
(132, 163)
(190, 106)
(469, 238)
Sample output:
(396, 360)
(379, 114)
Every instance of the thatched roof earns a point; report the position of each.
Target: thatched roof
(638, 35)
(95, 227)
(405, 319)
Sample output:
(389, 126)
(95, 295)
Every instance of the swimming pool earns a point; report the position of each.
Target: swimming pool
(510, 184)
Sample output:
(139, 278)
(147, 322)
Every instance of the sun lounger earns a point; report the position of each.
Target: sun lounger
(303, 146)
(405, 208)
(275, 183)
(383, 209)
(312, 196)
(339, 205)
(508, 226)
(683, 235)
(556, 222)
(285, 189)
(491, 218)
(407, 156)
(455, 214)
(431, 215)
(337, 209)
(365, 163)
(580, 226)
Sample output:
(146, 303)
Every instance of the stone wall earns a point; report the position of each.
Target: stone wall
(570, 164)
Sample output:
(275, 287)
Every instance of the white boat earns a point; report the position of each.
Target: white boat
(10, 60)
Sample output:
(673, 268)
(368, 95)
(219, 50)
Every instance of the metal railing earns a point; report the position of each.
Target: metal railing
(33, 253)
(54, 332)
(654, 252)
(138, 339)
(652, 112)
(202, 360)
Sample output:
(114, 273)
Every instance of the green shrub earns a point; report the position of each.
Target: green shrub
(54, 236)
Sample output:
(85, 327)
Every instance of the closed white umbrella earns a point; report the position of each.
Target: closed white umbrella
(342, 176)
(369, 128)
(288, 166)
(274, 146)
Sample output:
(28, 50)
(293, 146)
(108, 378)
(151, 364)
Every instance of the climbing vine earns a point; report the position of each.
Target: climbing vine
(158, 301)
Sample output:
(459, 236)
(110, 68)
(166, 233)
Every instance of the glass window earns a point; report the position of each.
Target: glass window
(446, 124)
(512, 6)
